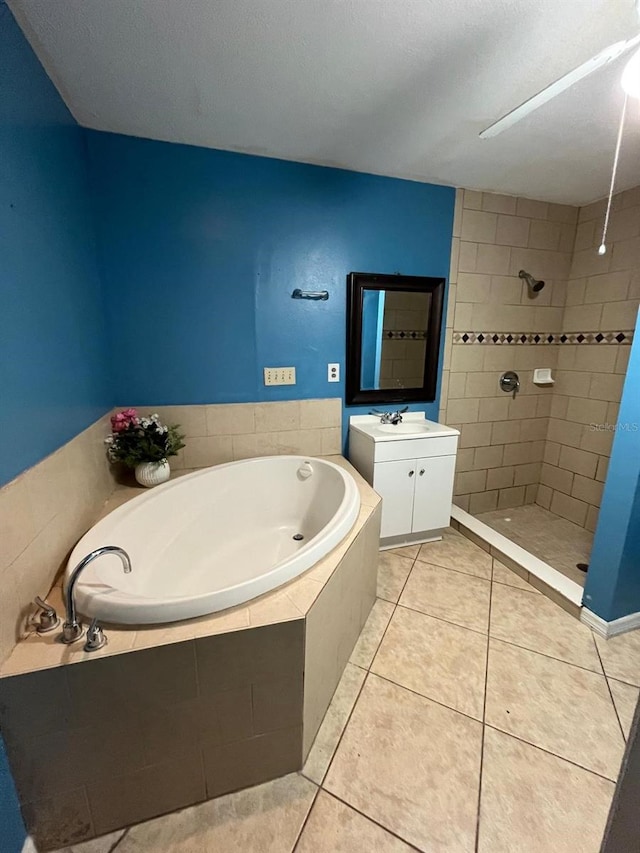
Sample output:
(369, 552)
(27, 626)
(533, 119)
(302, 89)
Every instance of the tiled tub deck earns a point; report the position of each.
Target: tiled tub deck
(168, 716)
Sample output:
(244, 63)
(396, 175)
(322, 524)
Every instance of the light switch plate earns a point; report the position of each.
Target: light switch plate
(279, 376)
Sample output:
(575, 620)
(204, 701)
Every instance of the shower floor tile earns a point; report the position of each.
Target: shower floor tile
(555, 540)
(441, 738)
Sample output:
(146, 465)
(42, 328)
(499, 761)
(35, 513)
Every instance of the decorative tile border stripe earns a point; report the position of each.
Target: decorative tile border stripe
(625, 337)
(405, 335)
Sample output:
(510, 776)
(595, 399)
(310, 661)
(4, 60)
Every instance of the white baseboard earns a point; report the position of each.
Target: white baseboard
(609, 629)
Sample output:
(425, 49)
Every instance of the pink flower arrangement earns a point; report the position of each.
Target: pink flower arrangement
(136, 439)
(121, 420)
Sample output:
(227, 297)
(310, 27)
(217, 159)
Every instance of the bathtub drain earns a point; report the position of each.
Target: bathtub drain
(298, 537)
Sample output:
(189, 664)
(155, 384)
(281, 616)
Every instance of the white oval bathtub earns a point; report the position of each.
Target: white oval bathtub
(215, 538)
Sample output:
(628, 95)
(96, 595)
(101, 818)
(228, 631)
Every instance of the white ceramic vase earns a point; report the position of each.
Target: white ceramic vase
(150, 474)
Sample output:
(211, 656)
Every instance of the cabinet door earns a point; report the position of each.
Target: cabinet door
(394, 482)
(433, 492)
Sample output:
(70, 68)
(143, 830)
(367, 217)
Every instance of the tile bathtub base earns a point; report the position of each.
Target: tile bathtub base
(103, 744)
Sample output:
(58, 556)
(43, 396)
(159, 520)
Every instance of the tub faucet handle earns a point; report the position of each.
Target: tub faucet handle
(47, 617)
(96, 638)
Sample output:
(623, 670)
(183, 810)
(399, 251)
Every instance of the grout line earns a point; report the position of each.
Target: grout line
(613, 701)
(532, 591)
(545, 655)
(484, 714)
(554, 754)
(344, 728)
(368, 670)
(457, 571)
(371, 820)
(113, 847)
(335, 749)
(306, 817)
(422, 696)
(446, 621)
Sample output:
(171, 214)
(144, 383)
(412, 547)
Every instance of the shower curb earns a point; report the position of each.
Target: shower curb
(547, 580)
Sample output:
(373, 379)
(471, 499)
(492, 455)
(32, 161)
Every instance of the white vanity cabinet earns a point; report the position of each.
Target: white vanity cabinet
(411, 465)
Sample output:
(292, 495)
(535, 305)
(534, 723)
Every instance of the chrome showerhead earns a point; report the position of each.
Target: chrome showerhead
(535, 286)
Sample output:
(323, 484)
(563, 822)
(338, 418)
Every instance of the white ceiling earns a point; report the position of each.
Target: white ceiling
(392, 87)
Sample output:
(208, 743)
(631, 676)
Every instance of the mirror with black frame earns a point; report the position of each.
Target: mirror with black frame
(393, 337)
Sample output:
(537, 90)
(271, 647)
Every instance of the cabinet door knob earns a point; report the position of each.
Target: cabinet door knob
(421, 471)
(411, 473)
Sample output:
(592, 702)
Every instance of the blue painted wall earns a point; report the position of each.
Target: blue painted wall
(53, 366)
(201, 249)
(613, 582)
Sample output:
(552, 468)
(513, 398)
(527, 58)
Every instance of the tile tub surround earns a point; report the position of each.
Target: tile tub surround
(399, 762)
(43, 512)
(227, 432)
(208, 706)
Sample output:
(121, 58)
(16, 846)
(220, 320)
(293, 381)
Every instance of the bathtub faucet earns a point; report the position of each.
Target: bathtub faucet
(72, 629)
(389, 417)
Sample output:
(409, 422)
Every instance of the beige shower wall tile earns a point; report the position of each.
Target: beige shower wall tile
(467, 256)
(626, 254)
(545, 235)
(542, 264)
(569, 508)
(595, 210)
(478, 226)
(606, 386)
(231, 419)
(463, 411)
(513, 231)
(472, 199)
(534, 209)
(620, 315)
(495, 203)
(492, 259)
(579, 318)
(608, 287)
(473, 287)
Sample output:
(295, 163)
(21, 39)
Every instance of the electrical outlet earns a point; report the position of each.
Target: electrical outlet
(333, 372)
(279, 376)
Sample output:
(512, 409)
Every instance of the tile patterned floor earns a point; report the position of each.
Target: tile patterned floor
(474, 715)
(544, 534)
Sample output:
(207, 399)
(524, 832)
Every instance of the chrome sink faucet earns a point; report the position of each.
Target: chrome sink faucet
(390, 417)
(72, 629)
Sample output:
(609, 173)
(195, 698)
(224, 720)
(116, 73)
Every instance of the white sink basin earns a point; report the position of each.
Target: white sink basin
(404, 428)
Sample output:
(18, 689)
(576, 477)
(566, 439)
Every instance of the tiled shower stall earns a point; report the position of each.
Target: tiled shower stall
(551, 444)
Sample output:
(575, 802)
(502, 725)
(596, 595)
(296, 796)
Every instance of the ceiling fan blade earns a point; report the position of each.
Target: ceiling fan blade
(561, 85)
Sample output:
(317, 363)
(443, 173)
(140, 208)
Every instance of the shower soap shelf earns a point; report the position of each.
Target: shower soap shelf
(542, 376)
